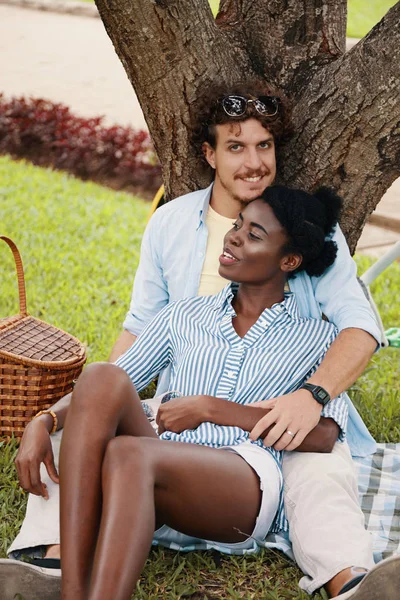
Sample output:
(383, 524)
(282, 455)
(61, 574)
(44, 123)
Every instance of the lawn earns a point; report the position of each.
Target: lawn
(362, 15)
(80, 245)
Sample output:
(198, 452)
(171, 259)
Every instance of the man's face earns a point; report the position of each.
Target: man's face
(243, 159)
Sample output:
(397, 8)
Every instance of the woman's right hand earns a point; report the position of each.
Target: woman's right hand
(35, 448)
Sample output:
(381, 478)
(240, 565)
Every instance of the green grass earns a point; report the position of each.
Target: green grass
(214, 6)
(80, 246)
(377, 393)
(363, 15)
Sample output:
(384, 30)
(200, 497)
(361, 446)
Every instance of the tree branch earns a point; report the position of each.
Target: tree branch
(229, 14)
(347, 109)
(347, 126)
(287, 40)
(171, 51)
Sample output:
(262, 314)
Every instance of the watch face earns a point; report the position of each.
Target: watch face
(318, 392)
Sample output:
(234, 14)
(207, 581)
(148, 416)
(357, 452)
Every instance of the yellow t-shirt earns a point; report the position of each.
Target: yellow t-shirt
(210, 280)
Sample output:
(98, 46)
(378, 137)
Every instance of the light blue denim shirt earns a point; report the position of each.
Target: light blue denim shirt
(171, 261)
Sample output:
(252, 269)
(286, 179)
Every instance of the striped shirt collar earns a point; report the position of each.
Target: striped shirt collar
(223, 301)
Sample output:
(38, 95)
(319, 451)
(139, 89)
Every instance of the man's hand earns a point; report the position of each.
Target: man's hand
(34, 449)
(182, 413)
(297, 412)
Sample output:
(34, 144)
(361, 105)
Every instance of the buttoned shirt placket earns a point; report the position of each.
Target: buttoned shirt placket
(239, 346)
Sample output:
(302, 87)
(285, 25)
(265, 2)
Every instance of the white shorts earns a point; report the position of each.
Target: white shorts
(41, 523)
(263, 463)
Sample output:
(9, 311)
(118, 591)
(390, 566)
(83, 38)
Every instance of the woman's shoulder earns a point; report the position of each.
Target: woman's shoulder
(317, 329)
(196, 302)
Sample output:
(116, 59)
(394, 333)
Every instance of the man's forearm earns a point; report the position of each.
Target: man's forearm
(123, 343)
(222, 412)
(345, 361)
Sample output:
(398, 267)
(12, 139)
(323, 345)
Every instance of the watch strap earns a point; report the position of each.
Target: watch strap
(318, 392)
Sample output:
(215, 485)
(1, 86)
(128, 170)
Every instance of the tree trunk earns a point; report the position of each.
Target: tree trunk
(346, 106)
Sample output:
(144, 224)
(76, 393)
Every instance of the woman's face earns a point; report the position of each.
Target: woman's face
(253, 248)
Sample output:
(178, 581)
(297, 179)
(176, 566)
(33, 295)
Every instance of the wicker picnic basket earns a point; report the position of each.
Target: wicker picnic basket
(38, 363)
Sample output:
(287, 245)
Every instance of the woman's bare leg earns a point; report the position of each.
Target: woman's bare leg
(104, 404)
(206, 493)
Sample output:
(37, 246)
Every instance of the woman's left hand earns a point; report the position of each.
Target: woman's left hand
(182, 413)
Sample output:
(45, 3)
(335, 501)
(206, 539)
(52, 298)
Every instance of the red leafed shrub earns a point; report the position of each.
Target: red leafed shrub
(48, 134)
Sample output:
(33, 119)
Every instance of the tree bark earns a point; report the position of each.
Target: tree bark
(171, 50)
(346, 106)
(347, 126)
(287, 40)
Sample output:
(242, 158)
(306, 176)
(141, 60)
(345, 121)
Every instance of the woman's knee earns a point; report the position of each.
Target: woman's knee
(100, 380)
(107, 373)
(126, 452)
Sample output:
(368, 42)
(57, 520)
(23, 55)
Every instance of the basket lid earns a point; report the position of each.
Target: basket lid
(36, 342)
(5, 322)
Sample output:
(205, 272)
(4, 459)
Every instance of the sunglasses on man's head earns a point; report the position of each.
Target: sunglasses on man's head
(235, 106)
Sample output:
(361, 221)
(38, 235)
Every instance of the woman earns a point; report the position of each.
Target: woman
(121, 485)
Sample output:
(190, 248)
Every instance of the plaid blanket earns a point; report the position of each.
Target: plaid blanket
(379, 489)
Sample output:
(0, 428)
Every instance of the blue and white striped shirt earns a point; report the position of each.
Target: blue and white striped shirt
(197, 338)
(171, 261)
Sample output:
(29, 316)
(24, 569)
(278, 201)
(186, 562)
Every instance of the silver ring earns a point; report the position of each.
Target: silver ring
(290, 433)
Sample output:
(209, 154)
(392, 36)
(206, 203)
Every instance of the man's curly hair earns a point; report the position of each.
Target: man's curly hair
(210, 113)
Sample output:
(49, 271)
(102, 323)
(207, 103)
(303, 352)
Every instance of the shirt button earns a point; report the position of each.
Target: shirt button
(200, 254)
(230, 374)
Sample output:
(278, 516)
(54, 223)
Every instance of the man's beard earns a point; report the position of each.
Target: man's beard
(245, 201)
(242, 201)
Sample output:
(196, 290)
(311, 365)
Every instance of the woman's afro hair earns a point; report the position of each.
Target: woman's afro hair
(309, 221)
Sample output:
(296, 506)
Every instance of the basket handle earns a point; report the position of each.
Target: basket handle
(20, 275)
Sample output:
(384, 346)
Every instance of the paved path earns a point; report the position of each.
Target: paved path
(383, 228)
(69, 58)
(65, 58)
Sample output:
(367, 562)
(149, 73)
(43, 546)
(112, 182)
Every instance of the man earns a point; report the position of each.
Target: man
(179, 258)
(238, 133)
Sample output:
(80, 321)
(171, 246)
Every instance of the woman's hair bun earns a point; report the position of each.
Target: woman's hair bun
(325, 259)
(332, 204)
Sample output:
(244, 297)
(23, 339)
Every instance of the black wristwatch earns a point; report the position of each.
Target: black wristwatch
(318, 392)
